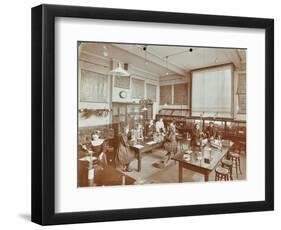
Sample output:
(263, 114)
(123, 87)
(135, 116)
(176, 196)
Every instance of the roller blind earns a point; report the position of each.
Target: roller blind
(212, 92)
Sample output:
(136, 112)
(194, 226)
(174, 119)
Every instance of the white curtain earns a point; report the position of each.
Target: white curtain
(212, 92)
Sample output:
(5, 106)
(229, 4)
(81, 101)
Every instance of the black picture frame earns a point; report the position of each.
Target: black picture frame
(43, 113)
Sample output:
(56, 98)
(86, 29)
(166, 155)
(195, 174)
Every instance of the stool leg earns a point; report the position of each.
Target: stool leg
(240, 149)
(239, 166)
(235, 165)
(230, 173)
(227, 156)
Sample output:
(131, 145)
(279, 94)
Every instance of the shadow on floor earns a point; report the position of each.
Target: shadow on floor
(25, 216)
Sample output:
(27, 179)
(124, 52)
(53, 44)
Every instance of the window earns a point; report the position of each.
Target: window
(165, 94)
(137, 88)
(212, 92)
(93, 87)
(122, 82)
(151, 92)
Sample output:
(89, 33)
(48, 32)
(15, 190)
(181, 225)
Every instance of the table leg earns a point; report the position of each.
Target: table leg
(206, 176)
(139, 161)
(180, 172)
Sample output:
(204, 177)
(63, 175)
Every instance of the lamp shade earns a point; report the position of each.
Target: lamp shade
(119, 71)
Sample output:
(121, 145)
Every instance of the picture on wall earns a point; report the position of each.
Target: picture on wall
(160, 114)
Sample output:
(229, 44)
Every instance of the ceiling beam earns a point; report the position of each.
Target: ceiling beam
(122, 56)
(234, 57)
(99, 60)
(242, 55)
(104, 62)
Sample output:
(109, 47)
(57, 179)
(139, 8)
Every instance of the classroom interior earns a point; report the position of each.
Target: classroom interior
(150, 114)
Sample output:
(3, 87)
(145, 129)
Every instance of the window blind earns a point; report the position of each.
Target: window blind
(93, 87)
(151, 92)
(212, 92)
(137, 88)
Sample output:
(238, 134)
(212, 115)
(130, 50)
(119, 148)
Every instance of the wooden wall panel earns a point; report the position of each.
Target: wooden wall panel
(181, 94)
(165, 94)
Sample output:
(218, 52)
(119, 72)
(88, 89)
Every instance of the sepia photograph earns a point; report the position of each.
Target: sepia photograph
(156, 114)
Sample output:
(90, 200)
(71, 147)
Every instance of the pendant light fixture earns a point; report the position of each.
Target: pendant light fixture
(145, 54)
(119, 71)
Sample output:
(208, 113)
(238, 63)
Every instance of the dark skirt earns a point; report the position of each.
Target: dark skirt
(171, 146)
(124, 156)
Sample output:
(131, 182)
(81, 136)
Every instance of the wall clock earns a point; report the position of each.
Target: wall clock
(122, 94)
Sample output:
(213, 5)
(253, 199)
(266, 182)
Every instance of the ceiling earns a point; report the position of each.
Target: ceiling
(163, 60)
(190, 58)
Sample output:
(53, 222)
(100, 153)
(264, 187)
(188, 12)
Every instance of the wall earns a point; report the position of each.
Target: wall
(137, 74)
(174, 79)
(15, 176)
(93, 120)
(89, 63)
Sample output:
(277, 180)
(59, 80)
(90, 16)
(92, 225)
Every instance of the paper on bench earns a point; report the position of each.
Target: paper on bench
(151, 143)
(88, 158)
(138, 146)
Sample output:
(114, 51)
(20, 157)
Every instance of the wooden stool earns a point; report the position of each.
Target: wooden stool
(235, 158)
(221, 174)
(228, 165)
